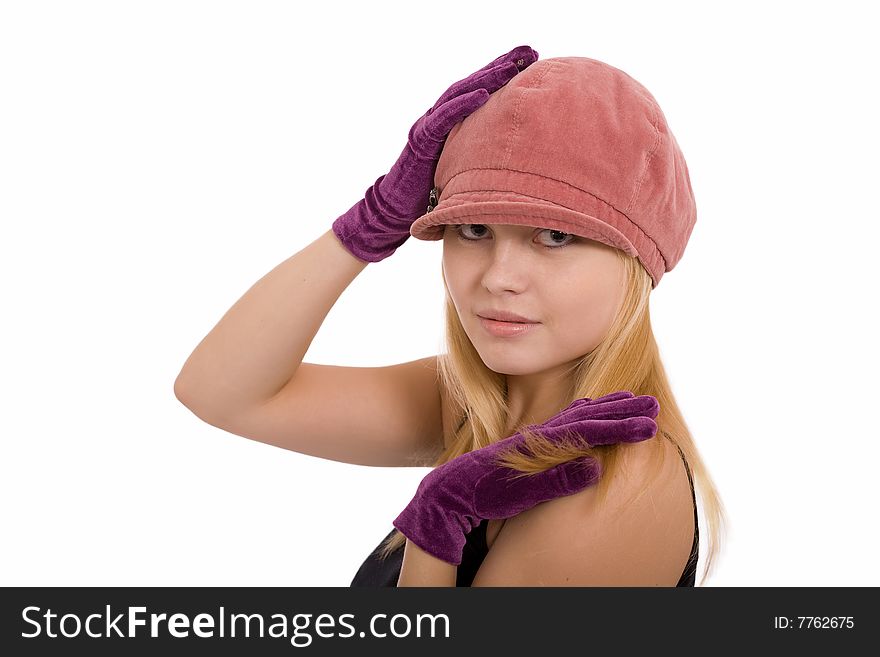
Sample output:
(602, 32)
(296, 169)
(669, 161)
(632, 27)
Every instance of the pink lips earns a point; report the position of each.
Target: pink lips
(504, 316)
(506, 329)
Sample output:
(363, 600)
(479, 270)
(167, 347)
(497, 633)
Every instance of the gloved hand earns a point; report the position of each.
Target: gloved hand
(379, 223)
(456, 496)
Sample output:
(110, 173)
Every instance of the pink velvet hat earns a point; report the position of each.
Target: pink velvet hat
(574, 145)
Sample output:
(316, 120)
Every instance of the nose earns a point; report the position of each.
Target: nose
(506, 267)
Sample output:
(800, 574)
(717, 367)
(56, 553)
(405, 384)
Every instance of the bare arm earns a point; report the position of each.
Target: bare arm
(257, 346)
(422, 569)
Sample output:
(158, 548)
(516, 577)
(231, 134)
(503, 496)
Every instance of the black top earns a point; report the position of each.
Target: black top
(376, 572)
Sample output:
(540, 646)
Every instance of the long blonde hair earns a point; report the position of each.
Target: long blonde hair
(627, 359)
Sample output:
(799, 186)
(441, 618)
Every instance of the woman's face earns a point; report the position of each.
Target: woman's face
(571, 286)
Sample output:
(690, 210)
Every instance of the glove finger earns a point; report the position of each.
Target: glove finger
(565, 414)
(642, 405)
(437, 126)
(611, 432)
(526, 53)
(605, 432)
(499, 495)
(622, 404)
(493, 75)
(490, 80)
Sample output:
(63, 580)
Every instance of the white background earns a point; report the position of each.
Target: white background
(157, 158)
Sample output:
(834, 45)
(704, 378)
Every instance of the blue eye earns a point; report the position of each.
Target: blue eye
(460, 230)
(463, 227)
(553, 232)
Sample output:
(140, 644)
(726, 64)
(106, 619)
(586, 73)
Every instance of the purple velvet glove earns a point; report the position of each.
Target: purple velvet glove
(379, 223)
(455, 497)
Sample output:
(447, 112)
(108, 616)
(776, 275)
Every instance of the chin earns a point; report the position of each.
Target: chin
(510, 366)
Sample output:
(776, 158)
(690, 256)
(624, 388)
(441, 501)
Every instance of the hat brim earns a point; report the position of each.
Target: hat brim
(430, 226)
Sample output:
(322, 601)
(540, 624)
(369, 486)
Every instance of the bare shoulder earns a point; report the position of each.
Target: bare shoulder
(630, 540)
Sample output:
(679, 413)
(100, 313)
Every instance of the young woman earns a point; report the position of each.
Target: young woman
(560, 456)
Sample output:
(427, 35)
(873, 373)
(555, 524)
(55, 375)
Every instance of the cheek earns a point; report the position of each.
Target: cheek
(456, 280)
(458, 272)
(580, 321)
